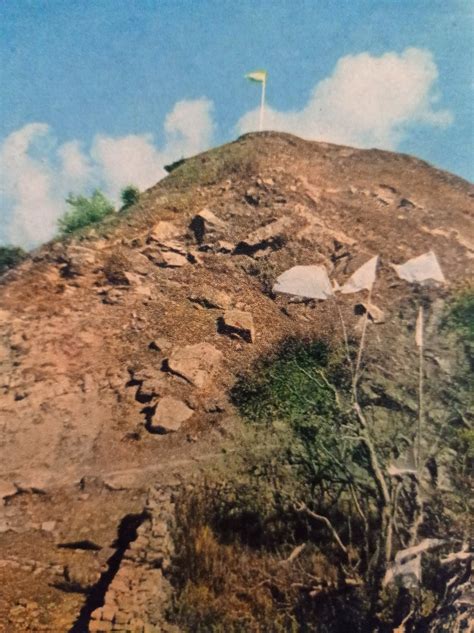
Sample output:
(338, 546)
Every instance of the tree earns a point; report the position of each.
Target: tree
(129, 196)
(10, 256)
(85, 211)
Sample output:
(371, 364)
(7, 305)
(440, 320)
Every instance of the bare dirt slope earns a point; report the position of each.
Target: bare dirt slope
(101, 391)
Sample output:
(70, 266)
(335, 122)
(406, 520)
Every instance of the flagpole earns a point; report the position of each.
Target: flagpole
(420, 343)
(262, 105)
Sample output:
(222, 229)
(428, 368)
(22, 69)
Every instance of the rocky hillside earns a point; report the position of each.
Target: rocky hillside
(118, 347)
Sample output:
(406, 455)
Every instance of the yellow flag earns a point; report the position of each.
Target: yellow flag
(257, 75)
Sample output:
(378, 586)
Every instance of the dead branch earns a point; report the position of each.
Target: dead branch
(294, 554)
(319, 517)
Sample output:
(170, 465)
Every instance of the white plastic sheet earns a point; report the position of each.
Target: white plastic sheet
(406, 568)
(419, 269)
(363, 278)
(310, 282)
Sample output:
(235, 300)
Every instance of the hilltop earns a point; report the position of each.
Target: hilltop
(119, 346)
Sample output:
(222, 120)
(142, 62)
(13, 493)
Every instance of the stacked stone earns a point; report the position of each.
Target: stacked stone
(137, 598)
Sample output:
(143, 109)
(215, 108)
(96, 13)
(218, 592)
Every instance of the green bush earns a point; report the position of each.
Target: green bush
(85, 212)
(10, 256)
(460, 315)
(130, 195)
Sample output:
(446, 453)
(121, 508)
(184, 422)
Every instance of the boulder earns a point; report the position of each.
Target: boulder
(206, 223)
(78, 260)
(211, 298)
(195, 363)
(271, 235)
(169, 415)
(223, 246)
(131, 279)
(237, 323)
(172, 259)
(164, 231)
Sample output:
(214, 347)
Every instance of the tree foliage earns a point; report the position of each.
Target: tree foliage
(10, 256)
(85, 212)
(129, 195)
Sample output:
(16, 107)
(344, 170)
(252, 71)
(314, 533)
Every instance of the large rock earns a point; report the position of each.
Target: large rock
(271, 235)
(169, 255)
(195, 363)
(78, 260)
(205, 223)
(173, 259)
(169, 415)
(212, 298)
(164, 231)
(238, 323)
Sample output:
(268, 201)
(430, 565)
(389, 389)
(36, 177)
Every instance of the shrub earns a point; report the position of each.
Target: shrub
(10, 256)
(460, 316)
(309, 473)
(130, 195)
(86, 212)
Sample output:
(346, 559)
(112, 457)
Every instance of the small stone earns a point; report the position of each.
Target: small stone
(238, 323)
(376, 315)
(48, 526)
(96, 614)
(132, 279)
(169, 415)
(113, 296)
(252, 196)
(160, 344)
(108, 612)
(224, 247)
(99, 626)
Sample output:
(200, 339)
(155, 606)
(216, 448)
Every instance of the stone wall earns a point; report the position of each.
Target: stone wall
(136, 599)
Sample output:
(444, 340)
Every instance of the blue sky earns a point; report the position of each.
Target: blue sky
(91, 89)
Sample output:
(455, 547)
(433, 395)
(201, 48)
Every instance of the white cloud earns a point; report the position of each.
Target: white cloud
(188, 127)
(36, 174)
(367, 101)
(127, 160)
(27, 186)
(75, 164)
(135, 159)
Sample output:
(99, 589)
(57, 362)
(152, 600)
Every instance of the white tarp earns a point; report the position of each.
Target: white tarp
(310, 282)
(363, 278)
(422, 268)
(406, 568)
(407, 573)
(404, 465)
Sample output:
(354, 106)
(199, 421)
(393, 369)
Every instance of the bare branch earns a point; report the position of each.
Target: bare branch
(319, 517)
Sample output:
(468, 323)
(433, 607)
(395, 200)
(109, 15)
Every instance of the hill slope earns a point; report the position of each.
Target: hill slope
(118, 347)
